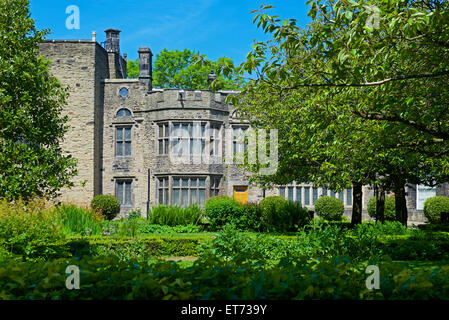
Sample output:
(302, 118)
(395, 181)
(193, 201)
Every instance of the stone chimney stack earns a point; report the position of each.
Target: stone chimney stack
(113, 41)
(146, 66)
(117, 66)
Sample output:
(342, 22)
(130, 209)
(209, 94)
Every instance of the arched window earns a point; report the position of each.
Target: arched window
(124, 113)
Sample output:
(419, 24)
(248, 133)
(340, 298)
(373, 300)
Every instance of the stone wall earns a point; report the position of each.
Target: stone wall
(81, 65)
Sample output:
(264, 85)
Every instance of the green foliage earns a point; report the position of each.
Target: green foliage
(434, 206)
(107, 205)
(135, 214)
(222, 210)
(211, 279)
(176, 69)
(329, 208)
(251, 218)
(29, 231)
(75, 220)
(175, 215)
(31, 101)
(131, 248)
(147, 228)
(390, 208)
(280, 215)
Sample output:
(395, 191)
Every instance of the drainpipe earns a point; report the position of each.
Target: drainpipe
(149, 192)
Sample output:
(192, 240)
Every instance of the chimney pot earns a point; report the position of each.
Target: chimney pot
(94, 36)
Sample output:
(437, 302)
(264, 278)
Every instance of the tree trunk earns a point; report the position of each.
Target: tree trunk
(357, 204)
(380, 204)
(400, 202)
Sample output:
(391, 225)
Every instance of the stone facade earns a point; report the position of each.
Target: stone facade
(123, 133)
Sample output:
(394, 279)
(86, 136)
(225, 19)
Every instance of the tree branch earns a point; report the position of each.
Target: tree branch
(381, 117)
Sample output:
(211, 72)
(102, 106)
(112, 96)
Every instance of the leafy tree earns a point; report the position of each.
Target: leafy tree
(359, 95)
(32, 163)
(174, 69)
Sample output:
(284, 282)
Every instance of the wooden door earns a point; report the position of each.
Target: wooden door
(241, 194)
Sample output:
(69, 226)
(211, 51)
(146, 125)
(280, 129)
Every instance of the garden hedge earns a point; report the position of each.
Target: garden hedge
(433, 207)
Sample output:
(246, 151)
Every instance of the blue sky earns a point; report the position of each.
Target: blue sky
(212, 27)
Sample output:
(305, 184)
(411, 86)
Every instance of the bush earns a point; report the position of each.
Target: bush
(109, 206)
(390, 209)
(251, 218)
(80, 221)
(175, 216)
(222, 210)
(29, 231)
(329, 208)
(434, 206)
(280, 215)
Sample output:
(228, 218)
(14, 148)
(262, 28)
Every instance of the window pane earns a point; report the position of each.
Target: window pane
(176, 130)
(349, 197)
(307, 196)
(202, 183)
(196, 147)
(324, 192)
(165, 196)
(333, 193)
(185, 130)
(161, 131)
(176, 182)
(119, 149)
(185, 183)
(161, 147)
(193, 197)
(127, 148)
(128, 193)
(185, 197)
(340, 195)
(282, 192)
(424, 193)
(120, 192)
(315, 195)
(161, 196)
(203, 130)
(299, 195)
(290, 194)
(166, 182)
(176, 147)
(185, 147)
(202, 197)
(127, 133)
(166, 146)
(119, 134)
(176, 197)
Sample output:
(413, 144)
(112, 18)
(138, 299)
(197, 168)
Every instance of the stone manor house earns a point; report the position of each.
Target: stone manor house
(124, 133)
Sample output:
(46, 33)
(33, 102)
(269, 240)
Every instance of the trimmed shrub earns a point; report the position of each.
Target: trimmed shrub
(175, 216)
(390, 209)
(329, 208)
(222, 210)
(434, 206)
(280, 215)
(108, 205)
